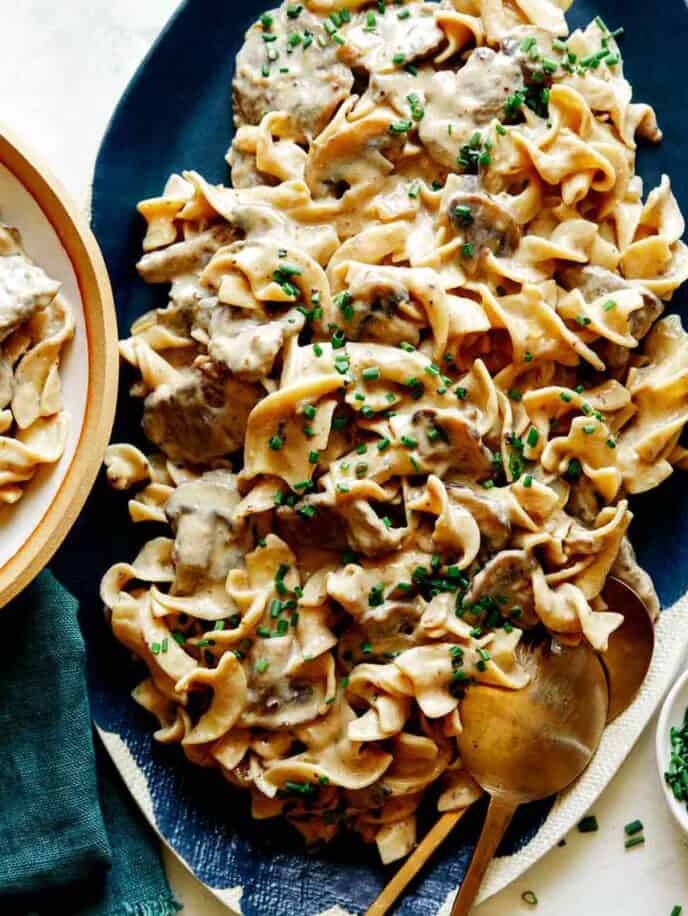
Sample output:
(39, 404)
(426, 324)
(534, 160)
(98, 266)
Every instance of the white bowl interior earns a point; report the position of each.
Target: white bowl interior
(672, 714)
(18, 208)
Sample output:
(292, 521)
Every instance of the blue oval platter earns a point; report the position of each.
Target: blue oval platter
(175, 115)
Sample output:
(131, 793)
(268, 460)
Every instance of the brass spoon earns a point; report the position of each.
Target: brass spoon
(626, 663)
(526, 745)
(628, 658)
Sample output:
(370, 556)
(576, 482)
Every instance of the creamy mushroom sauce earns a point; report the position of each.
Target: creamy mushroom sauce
(411, 371)
(35, 324)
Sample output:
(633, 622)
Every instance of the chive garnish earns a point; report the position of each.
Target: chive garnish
(638, 840)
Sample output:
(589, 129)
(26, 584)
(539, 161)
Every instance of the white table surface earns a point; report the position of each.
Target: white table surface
(62, 68)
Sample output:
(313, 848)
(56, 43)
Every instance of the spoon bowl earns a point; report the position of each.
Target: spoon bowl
(629, 655)
(528, 744)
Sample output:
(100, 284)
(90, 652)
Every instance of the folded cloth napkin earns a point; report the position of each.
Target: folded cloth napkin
(71, 839)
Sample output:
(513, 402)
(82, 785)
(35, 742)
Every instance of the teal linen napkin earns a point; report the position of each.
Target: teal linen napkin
(71, 839)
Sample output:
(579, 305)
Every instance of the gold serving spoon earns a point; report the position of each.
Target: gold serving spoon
(626, 663)
(525, 745)
(628, 658)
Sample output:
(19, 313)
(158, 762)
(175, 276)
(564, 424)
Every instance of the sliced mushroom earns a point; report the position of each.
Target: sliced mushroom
(529, 46)
(201, 418)
(189, 256)
(458, 104)
(483, 222)
(201, 514)
(507, 579)
(314, 86)
(594, 282)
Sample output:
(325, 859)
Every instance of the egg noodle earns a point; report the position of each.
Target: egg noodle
(411, 369)
(35, 324)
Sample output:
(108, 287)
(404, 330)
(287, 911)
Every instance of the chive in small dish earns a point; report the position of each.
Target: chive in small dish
(672, 750)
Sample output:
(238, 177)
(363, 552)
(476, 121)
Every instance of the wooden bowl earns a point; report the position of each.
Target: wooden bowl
(57, 236)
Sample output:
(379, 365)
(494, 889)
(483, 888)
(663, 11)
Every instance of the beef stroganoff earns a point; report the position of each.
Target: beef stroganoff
(35, 324)
(412, 368)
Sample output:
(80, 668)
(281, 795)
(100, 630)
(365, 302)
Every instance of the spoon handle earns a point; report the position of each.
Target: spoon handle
(499, 816)
(415, 862)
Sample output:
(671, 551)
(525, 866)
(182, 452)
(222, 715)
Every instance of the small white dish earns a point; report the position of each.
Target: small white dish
(672, 714)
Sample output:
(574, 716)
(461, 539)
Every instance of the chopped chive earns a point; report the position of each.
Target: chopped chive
(383, 444)
(463, 214)
(533, 437)
(409, 348)
(515, 394)
(588, 824)
(638, 840)
(307, 511)
(633, 828)
(371, 374)
(276, 443)
(529, 897)
(400, 127)
(528, 481)
(574, 469)
(262, 666)
(608, 306)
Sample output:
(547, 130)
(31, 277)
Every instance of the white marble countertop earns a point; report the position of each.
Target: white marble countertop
(63, 67)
